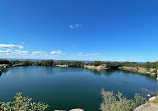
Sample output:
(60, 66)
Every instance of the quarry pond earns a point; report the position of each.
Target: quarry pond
(70, 87)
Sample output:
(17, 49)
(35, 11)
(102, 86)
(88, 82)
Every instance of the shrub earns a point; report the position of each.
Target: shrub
(112, 102)
(22, 103)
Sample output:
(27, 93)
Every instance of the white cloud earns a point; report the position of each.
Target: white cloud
(38, 53)
(11, 46)
(9, 53)
(22, 52)
(5, 51)
(75, 26)
(58, 52)
(85, 55)
(14, 52)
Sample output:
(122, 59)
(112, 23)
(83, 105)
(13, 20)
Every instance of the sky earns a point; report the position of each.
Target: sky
(106, 30)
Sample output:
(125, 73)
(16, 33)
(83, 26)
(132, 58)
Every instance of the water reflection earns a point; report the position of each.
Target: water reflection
(49, 70)
(3, 70)
(148, 91)
(111, 72)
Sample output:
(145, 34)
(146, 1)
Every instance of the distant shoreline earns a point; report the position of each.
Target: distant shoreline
(148, 68)
(68, 60)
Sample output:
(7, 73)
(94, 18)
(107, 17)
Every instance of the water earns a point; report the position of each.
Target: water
(67, 88)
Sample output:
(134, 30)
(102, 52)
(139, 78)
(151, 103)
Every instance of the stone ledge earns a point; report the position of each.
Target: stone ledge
(78, 109)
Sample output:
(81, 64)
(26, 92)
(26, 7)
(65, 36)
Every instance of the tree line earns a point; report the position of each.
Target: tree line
(110, 65)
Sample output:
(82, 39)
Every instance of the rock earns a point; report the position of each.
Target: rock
(152, 98)
(101, 67)
(62, 65)
(130, 69)
(148, 95)
(59, 110)
(142, 70)
(146, 107)
(4, 65)
(76, 109)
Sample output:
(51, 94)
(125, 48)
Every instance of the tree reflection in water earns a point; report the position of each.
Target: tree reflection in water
(3, 70)
(105, 72)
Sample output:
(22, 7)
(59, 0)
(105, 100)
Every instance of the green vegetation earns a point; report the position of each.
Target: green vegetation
(62, 63)
(22, 103)
(96, 63)
(4, 61)
(155, 100)
(112, 102)
(110, 65)
(44, 63)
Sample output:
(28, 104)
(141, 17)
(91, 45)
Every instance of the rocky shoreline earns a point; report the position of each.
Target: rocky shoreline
(151, 71)
(8, 65)
(148, 106)
(101, 67)
(62, 65)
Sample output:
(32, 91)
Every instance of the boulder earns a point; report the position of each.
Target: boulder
(152, 98)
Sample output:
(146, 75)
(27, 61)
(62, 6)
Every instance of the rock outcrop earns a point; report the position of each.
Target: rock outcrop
(4, 65)
(151, 71)
(18, 65)
(101, 67)
(62, 65)
(148, 106)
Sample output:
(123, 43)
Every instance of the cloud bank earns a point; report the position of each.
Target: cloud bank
(11, 46)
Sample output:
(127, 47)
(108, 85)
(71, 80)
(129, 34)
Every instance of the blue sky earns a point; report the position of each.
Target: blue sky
(109, 30)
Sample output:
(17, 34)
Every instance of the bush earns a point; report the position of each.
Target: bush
(4, 61)
(22, 103)
(112, 102)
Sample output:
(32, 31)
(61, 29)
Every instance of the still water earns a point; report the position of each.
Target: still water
(68, 88)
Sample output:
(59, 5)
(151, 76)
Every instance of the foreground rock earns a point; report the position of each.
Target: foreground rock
(149, 106)
(78, 109)
(146, 107)
(152, 98)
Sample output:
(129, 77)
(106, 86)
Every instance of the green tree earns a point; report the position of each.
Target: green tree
(112, 102)
(22, 103)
